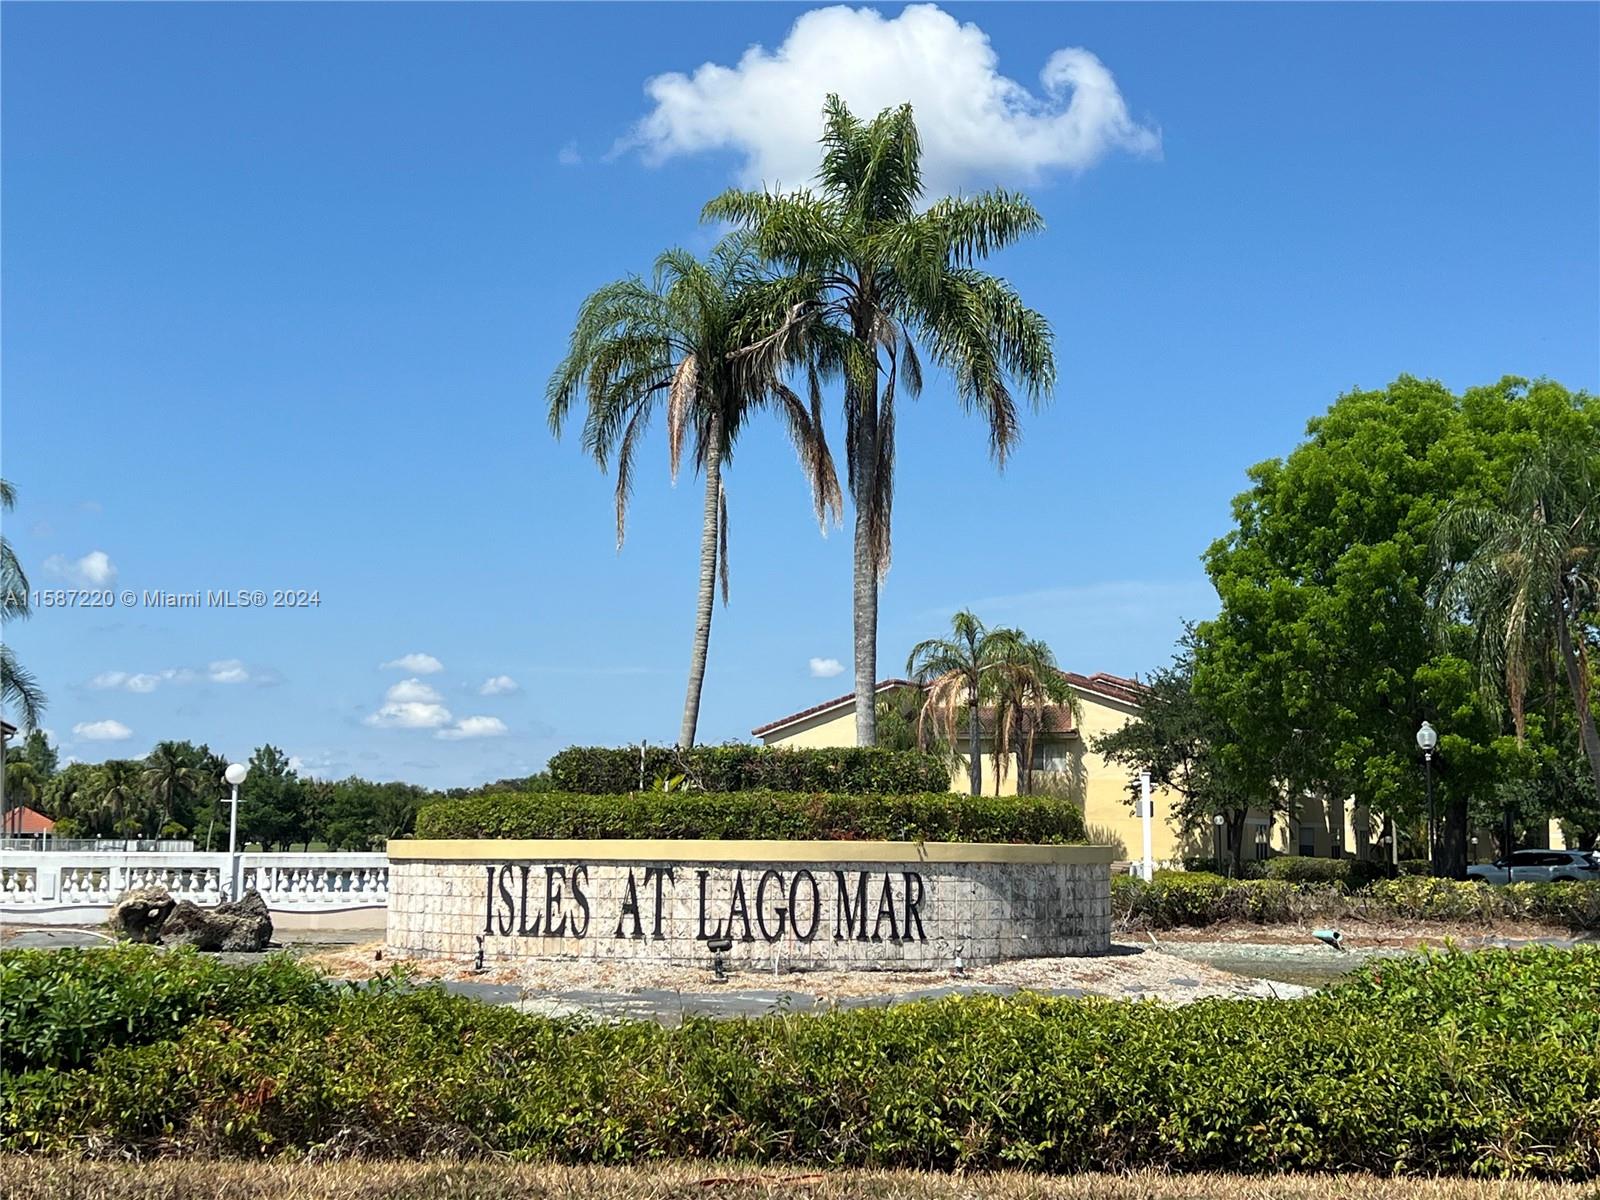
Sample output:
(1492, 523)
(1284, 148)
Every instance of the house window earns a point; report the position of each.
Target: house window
(1049, 756)
(1263, 848)
(1308, 840)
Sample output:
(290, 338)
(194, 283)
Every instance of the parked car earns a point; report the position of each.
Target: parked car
(1540, 866)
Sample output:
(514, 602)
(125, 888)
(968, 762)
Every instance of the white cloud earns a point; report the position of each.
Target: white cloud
(109, 679)
(412, 691)
(417, 664)
(498, 685)
(473, 727)
(102, 731)
(977, 125)
(94, 569)
(411, 714)
(142, 683)
(228, 670)
(568, 155)
(826, 668)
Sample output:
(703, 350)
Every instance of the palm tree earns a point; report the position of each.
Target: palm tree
(675, 343)
(1529, 577)
(879, 275)
(1026, 686)
(957, 673)
(116, 802)
(18, 687)
(171, 778)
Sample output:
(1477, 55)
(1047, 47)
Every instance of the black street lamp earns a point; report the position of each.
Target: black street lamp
(1427, 739)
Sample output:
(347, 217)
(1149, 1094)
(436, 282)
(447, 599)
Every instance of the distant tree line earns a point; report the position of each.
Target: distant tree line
(177, 791)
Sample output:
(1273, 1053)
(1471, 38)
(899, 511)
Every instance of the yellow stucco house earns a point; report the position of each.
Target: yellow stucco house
(1062, 760)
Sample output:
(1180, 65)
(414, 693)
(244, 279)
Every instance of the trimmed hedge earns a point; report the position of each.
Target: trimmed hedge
(1347, 872)
(1196, 898)
(606, 770)
(785, 816)
(1484, 1063)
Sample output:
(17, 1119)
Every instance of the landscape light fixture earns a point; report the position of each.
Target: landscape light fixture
(719, 947)
(234, 776)
(1427, 739)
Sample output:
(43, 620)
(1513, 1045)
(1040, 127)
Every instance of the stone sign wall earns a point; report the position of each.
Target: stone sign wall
(793, 904)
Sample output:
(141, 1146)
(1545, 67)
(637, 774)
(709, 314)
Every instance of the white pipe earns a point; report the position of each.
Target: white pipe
(1146, 822)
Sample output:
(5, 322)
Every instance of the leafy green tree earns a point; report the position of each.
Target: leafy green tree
(1192, 751)
(1325, 656)
(39, 753)
(272, 802)
(18, 687)
(66, 795)
(23, 784)
(1525, 576)
(680, 343)
(881, 274)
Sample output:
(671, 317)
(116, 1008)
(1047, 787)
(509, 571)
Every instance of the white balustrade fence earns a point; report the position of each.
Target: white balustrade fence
(302, 890)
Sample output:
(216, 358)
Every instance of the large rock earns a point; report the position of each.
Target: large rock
(140, 913)
(238, 925)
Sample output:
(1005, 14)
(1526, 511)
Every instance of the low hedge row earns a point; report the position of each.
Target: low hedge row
(1197, 898)
(607, 770)
(1486, 1063)
(931, 817)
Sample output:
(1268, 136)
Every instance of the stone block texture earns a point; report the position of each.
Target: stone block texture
(807, 915)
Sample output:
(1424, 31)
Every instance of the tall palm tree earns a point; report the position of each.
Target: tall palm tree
(18, 688)
(171, 779)
(1529, 578)
(881, 275)
(958, 673)
(1026, 686)
(675, 342)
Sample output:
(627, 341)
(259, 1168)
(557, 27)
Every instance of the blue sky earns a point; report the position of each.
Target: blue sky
(283, 285)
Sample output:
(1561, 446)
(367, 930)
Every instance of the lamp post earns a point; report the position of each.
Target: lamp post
(234, 776)
(1427, 739)
(1146, 818)
(1218, 821)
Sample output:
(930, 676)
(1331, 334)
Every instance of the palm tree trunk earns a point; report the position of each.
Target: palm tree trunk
(1575, 681)
(974, 747)
(706, 601)
(864, 488)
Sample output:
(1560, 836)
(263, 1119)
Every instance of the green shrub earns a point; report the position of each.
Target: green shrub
(1195, 898)
(789, 816)
(604, 770)
(1352, 873)
(60, 1008)
(1469, 1064)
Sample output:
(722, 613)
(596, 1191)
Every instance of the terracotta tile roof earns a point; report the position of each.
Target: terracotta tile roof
(22, 821)
(1057, 720)
(884, 685)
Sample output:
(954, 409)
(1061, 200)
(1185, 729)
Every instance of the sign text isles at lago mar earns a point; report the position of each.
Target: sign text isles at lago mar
(865, 905)
(804, 904)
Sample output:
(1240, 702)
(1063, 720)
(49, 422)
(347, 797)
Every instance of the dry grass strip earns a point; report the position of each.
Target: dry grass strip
(63, 1179)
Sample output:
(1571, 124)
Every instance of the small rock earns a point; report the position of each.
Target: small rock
(243, 924)
(140, 913)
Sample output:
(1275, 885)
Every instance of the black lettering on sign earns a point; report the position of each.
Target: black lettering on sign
(886, 909)
(488, 902)
(522, 914)
(580, 876)
(781, 910)
(505, 916)
(657, 875)
(630, 905)
(701, 936)
(846, 918)
(552, 902)
(794, 905)
(914, 897)
(739, 909)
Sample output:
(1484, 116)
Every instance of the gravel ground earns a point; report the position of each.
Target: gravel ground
(1130, 971)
